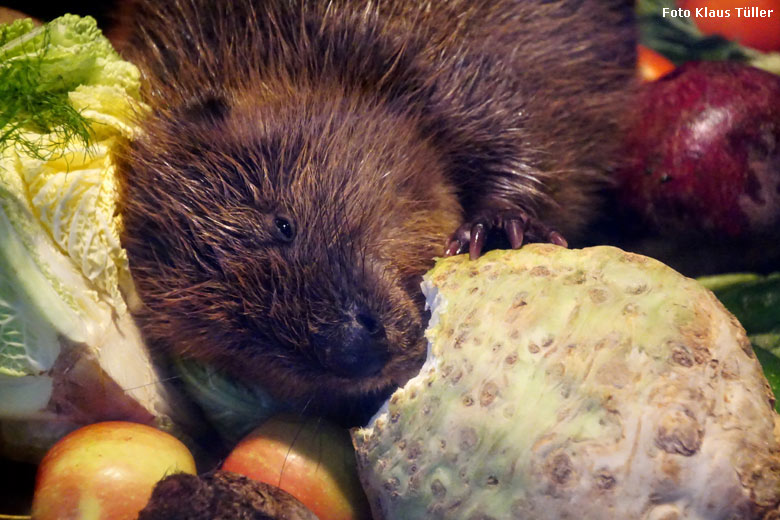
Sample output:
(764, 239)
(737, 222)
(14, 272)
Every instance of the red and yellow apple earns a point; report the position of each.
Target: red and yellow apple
(106, 471)
(312, 460)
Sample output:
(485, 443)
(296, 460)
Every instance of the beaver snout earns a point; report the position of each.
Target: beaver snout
(356, 347)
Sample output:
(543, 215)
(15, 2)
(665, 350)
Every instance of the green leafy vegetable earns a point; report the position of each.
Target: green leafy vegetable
(233, 408)
(771, 365)
(66, 97)
(70, 352)
(680, 40)
(31, 98)
(753, 299)
(769, 341)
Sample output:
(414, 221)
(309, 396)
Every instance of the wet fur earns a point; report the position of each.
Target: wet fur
(376, 127)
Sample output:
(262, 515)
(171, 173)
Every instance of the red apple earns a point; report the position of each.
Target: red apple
(312, 460)
(703, 157)
(106, 471)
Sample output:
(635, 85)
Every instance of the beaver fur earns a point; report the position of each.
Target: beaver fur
(304, 161)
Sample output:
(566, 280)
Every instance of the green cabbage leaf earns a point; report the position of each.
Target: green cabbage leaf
(70, 352)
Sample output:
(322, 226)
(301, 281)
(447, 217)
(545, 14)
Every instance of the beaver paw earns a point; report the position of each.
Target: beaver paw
(517, 225)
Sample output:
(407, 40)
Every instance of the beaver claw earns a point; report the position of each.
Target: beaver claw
(517, 225)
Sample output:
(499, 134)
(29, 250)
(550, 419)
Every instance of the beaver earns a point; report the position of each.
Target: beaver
(303, 162)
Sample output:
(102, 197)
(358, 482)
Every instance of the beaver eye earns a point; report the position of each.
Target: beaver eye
(284, 229)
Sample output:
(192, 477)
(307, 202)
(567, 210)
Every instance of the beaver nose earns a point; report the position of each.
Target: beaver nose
(355, 348)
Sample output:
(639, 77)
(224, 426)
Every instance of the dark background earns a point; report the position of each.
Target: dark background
(102, 11)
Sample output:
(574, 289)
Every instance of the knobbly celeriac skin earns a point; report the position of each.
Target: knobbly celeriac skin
(575, 383)
(304, 162)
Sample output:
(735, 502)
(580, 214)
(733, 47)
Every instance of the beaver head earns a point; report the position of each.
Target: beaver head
(283, 238)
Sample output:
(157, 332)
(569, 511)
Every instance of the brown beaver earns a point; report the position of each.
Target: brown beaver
(305, 161)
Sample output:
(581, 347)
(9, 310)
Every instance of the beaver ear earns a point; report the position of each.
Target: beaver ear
(209, 108)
